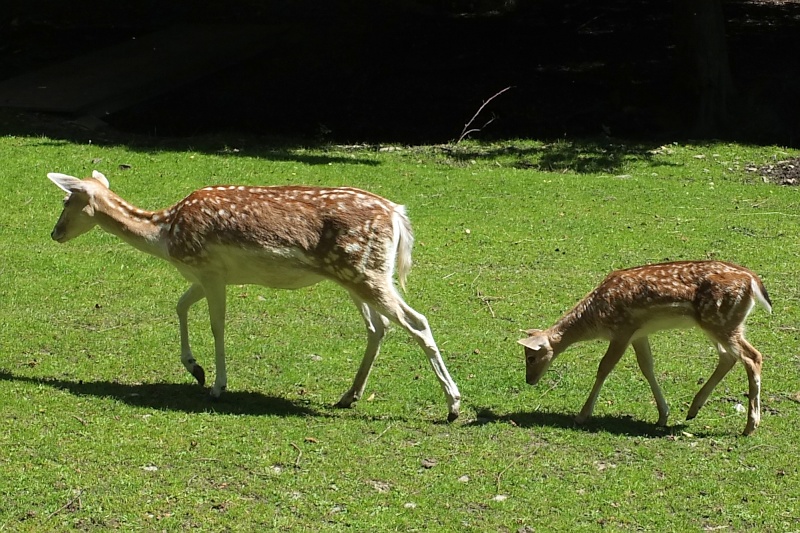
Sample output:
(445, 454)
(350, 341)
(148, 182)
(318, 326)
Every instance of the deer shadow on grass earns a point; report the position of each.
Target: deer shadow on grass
(616, 425)
(185, 397)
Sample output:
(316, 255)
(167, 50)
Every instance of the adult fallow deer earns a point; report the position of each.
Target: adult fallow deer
(284, 237)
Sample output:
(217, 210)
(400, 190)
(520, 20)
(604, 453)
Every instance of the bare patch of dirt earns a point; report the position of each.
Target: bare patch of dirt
(781, 173)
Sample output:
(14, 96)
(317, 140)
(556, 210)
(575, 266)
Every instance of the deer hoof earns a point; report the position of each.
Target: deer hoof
(199, 374)
(347, 399)
(342, 404)
(451, 417)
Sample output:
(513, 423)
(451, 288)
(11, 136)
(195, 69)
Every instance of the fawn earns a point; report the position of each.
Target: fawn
(630, 304)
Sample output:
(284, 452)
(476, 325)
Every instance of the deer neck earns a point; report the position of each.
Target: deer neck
(577, 325)
(144, 230)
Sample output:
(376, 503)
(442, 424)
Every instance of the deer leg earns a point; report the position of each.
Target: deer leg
(751, 358)
(417, 326)
(192, 295)
(726, 362)
(613, 354)
(376, 328)
(644, 356)
(215, 295)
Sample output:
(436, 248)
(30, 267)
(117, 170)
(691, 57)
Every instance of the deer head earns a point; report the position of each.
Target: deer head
(77, 217)
(538, 355)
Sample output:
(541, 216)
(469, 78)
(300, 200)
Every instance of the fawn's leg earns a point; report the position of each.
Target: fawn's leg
(726, 362)
(644, 356)
(613, 354)
(752, 360)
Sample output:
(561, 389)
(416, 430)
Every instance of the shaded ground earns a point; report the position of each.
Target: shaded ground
(417, 72)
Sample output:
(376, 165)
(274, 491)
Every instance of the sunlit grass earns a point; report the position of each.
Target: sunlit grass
(103, 428)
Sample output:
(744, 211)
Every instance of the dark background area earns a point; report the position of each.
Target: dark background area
(416, 72)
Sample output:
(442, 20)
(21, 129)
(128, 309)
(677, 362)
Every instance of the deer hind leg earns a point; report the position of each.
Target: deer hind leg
(376, 328)
(613, 354)
(397, 310)
(644, 356)
(752, 359)
(194, 294)
(727, 359)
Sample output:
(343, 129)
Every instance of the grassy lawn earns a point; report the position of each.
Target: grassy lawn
(101, 427)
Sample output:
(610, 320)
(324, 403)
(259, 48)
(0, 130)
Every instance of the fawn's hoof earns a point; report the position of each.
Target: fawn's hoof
(199, 374)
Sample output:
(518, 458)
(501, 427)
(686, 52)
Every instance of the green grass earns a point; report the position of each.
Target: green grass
(102, 428)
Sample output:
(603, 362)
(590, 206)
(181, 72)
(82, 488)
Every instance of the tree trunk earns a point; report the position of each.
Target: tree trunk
(702, 68)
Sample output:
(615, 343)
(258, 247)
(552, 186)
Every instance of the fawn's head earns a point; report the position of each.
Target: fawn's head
(77, 217)
(538, 355)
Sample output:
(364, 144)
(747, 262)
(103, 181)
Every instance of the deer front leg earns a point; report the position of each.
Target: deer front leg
(644, 356)
(193, 295)
(215, 295)
(613, 354)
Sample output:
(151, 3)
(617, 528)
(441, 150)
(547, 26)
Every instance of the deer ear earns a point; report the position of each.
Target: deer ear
(534, 343)
(68, 184)
(100, 177)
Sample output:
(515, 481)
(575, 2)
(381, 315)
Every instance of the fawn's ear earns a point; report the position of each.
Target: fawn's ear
(100, 177)
(68, 184)
(534, 342)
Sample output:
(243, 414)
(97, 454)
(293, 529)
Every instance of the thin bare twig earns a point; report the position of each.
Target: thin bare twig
(467, 130)
(518, 458)
(299, 454)
(67, 505)
(487, 301)
(383, 432)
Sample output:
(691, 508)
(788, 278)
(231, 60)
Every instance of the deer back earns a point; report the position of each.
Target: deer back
(335, 229)
(712, 294)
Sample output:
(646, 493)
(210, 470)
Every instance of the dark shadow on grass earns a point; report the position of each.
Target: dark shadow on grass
(56, 131)
(185, 397)
(616, 425)
(576, 156)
